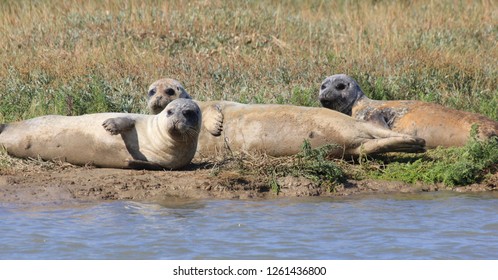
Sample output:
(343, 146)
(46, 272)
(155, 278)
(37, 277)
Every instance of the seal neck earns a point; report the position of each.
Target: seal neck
(348, 107)
(361, 98)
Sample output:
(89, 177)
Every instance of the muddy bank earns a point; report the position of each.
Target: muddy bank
(68, 183)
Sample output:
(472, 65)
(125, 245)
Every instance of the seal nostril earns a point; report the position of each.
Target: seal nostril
(170, 91)
(189, 114)
(340, 86)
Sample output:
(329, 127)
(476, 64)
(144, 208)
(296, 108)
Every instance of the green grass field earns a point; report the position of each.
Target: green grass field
(73, 57)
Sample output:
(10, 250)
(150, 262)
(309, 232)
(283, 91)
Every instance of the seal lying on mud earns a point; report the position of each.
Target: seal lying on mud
(438, 125)
(164, 141)
(279, 130)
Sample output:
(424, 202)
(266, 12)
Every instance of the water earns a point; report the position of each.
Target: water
(422, 226)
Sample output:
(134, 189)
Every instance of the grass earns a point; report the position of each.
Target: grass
(456, 166)
(73, 57)
(58, 57)
(452, 166)
(11, 165)
(312, 164)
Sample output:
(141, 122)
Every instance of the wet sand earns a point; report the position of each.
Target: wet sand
(68, 183)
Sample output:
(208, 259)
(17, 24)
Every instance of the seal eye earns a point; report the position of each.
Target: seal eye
(340, 86)
(152, 92)
(170, 91)
(170, 112)
(323, 86)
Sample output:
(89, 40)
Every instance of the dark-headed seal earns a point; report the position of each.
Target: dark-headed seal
(167, 140)
(438, 125)
(280, 130)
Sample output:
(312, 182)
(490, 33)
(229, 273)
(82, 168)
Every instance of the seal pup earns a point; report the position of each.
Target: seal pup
(167, 140)
(280, 130)
(438, 125)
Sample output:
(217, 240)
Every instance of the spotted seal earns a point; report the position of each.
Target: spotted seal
(438, 125)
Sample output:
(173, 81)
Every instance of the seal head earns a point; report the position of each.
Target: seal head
(165, 90)
(162, 92)
(183, 119)
(340, 92)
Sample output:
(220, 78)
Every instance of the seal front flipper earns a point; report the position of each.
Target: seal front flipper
(142, 164)
(117, 125)
(213, 119)
(2, 127)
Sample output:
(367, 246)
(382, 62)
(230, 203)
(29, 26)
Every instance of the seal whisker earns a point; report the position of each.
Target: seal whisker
(190, 134)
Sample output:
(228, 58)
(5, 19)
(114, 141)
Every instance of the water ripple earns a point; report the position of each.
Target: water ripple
(425, 226)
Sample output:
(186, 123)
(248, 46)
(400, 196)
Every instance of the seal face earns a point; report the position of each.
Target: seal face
(162, 92)
(438, 125)
(118, 140)
(183, 119)
(339, 93)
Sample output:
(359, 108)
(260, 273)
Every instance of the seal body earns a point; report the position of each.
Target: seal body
(118, 140)
(280, 130)
(438, 125)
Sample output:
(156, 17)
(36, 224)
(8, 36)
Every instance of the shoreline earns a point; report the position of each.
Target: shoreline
(66, 183)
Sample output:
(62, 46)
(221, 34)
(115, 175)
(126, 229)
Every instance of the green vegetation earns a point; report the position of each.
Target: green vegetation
(452, 166)
(309, 163)
(313, 164)
(73, 57)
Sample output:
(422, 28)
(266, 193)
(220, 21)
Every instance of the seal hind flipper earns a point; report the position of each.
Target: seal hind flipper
(118, 125)
(213, 119)
(142, 164)
(405, 144)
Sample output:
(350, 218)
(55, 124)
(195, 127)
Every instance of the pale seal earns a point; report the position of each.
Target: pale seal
(438, 125)
(163, 93)
(280, 130)
(167, 140)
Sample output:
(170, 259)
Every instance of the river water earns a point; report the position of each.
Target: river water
(423, 226)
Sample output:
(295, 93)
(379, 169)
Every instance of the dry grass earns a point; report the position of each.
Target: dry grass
(10, 165)
(73, 57)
